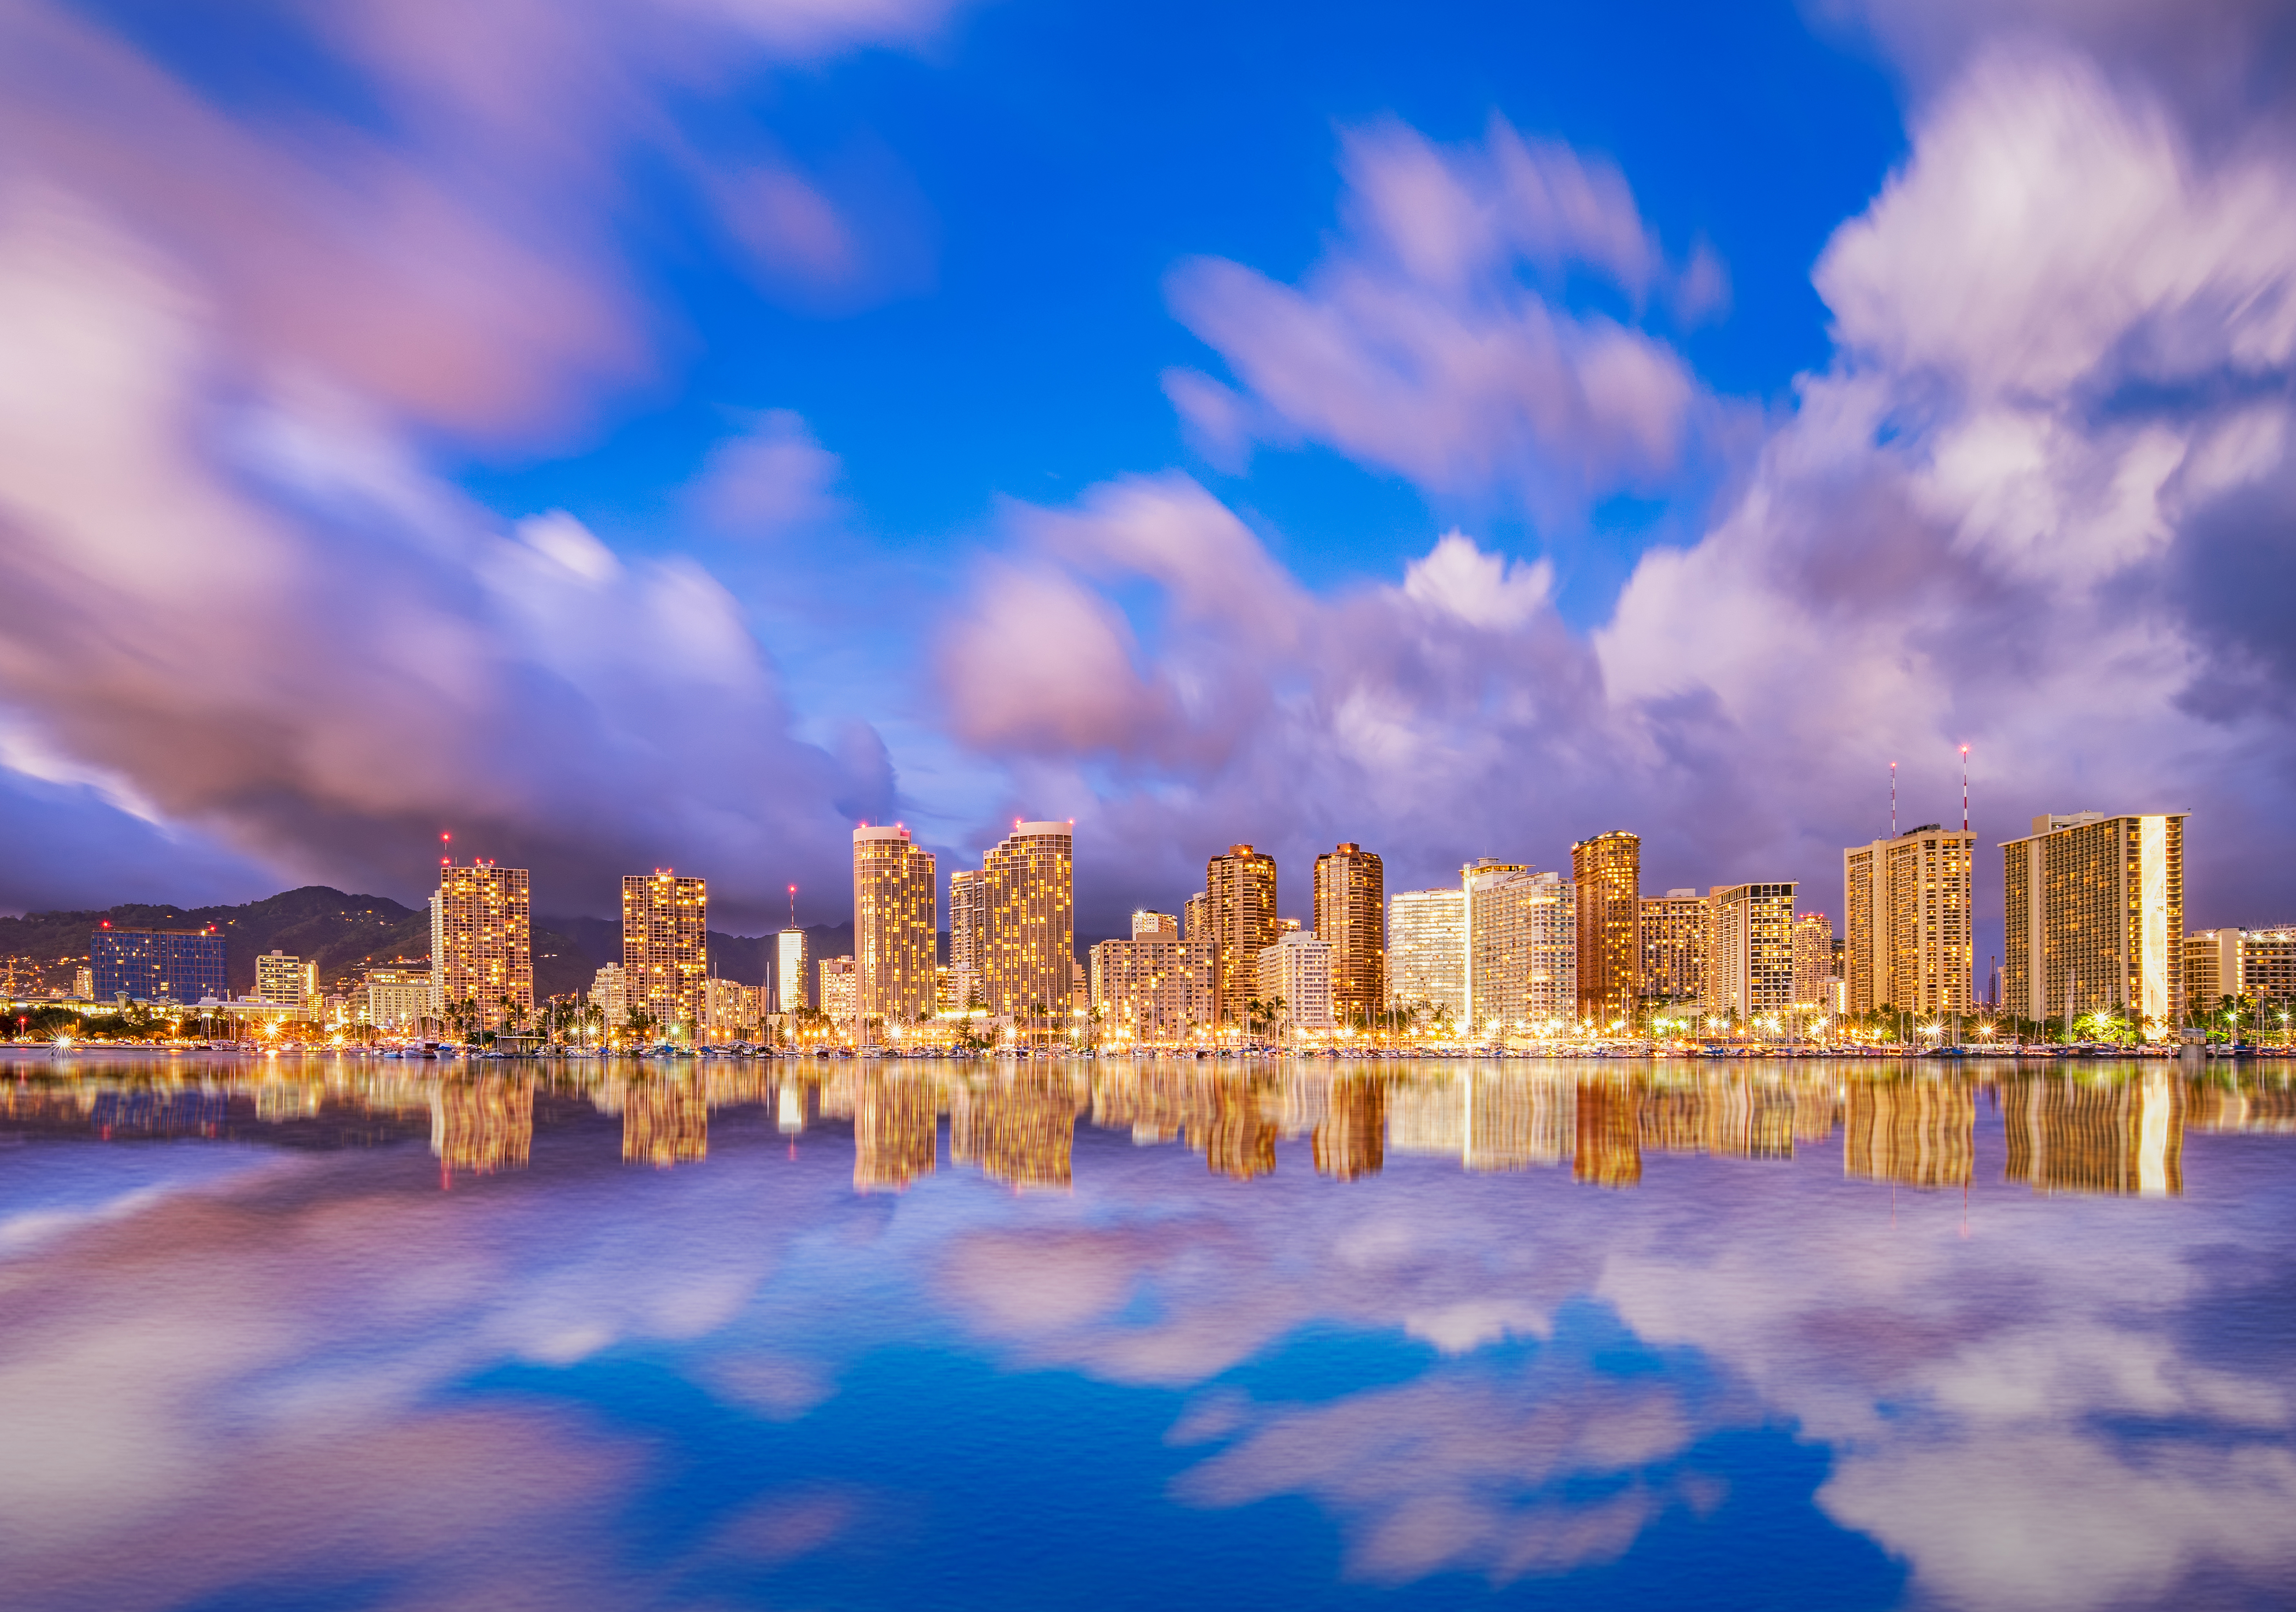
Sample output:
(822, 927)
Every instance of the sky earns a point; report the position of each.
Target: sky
(670, 433)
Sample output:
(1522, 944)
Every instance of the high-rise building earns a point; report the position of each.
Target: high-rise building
(1296, 970)
(157, 965)
(1493, 988)
(1607, 872)
(1749, 951)
(1907, 910)
(790, 958)
(1673, 932)
(1196, 917)
(1426, 952)
(482, 944)
(1154, 987)
(286, 982)
(1350, 918)
(666, 947)
(894, 884)
(968, 930)
(838, 995)
(1812, 960)
(1521, 963)
(1029, 954)
(2094, 911)
(1239, 906)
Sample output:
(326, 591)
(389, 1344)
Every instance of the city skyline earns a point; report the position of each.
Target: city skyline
(692, 522)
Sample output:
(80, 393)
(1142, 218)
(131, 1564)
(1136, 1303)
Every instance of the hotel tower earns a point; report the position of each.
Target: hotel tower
(1906, 906)
(1029, 946)
(2093, 914)
(894, 884)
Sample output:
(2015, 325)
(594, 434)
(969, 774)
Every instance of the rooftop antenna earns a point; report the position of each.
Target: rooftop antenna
(1965, 788)
(444, 860)
(792, 906)
(1893, 800)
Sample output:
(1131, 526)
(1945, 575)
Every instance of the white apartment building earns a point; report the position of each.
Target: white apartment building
(1298, 969)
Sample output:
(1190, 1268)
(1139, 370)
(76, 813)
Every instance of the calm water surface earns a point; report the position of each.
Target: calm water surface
(337, 1335)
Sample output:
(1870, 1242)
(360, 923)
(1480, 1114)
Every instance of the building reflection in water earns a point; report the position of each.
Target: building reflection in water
(2112, 1136)
(2094, 1131)
(1607, 1148)
(480, 1127)
(896, 1125)
(1349, 1137)
(664, 1123)
(1913, 1133)
(1016, 1125)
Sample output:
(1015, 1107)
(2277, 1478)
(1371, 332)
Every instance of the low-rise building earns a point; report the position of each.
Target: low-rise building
(1297, 970)
(1154, 987)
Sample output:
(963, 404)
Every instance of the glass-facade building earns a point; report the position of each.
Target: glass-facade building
(158, 965)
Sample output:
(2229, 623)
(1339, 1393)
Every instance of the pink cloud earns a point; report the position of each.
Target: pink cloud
(776, 479)
(1431, 339)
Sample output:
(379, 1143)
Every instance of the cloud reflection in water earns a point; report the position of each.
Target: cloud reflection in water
(278, 1374)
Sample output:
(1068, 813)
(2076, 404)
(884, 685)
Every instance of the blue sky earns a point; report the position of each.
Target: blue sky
(666, 433)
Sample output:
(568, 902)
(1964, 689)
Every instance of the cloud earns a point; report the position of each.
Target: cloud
(1464, 1472)
(2038, 503)
(1437, 339)
(189, 563)
(2223, 63)
(245, 605)
(774, 479)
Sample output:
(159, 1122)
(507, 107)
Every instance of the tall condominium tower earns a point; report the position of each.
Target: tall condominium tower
(1674, 947)
(1812, 960)
(1750, 951)
(482, 942)
(1240, 904)
(1029, 952)
(1906, 906)
(894, 884)
(666, 947)
(1607, 872)
(1350, 918)
(789, 955)
(1196, 917)
(968, 930)
(2094, 909)
(1427, 951)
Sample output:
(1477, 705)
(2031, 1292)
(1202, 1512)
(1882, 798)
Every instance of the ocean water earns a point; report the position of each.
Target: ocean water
(338, 1334)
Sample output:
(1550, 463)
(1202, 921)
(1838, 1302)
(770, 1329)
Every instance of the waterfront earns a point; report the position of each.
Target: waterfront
(1436, 1333)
